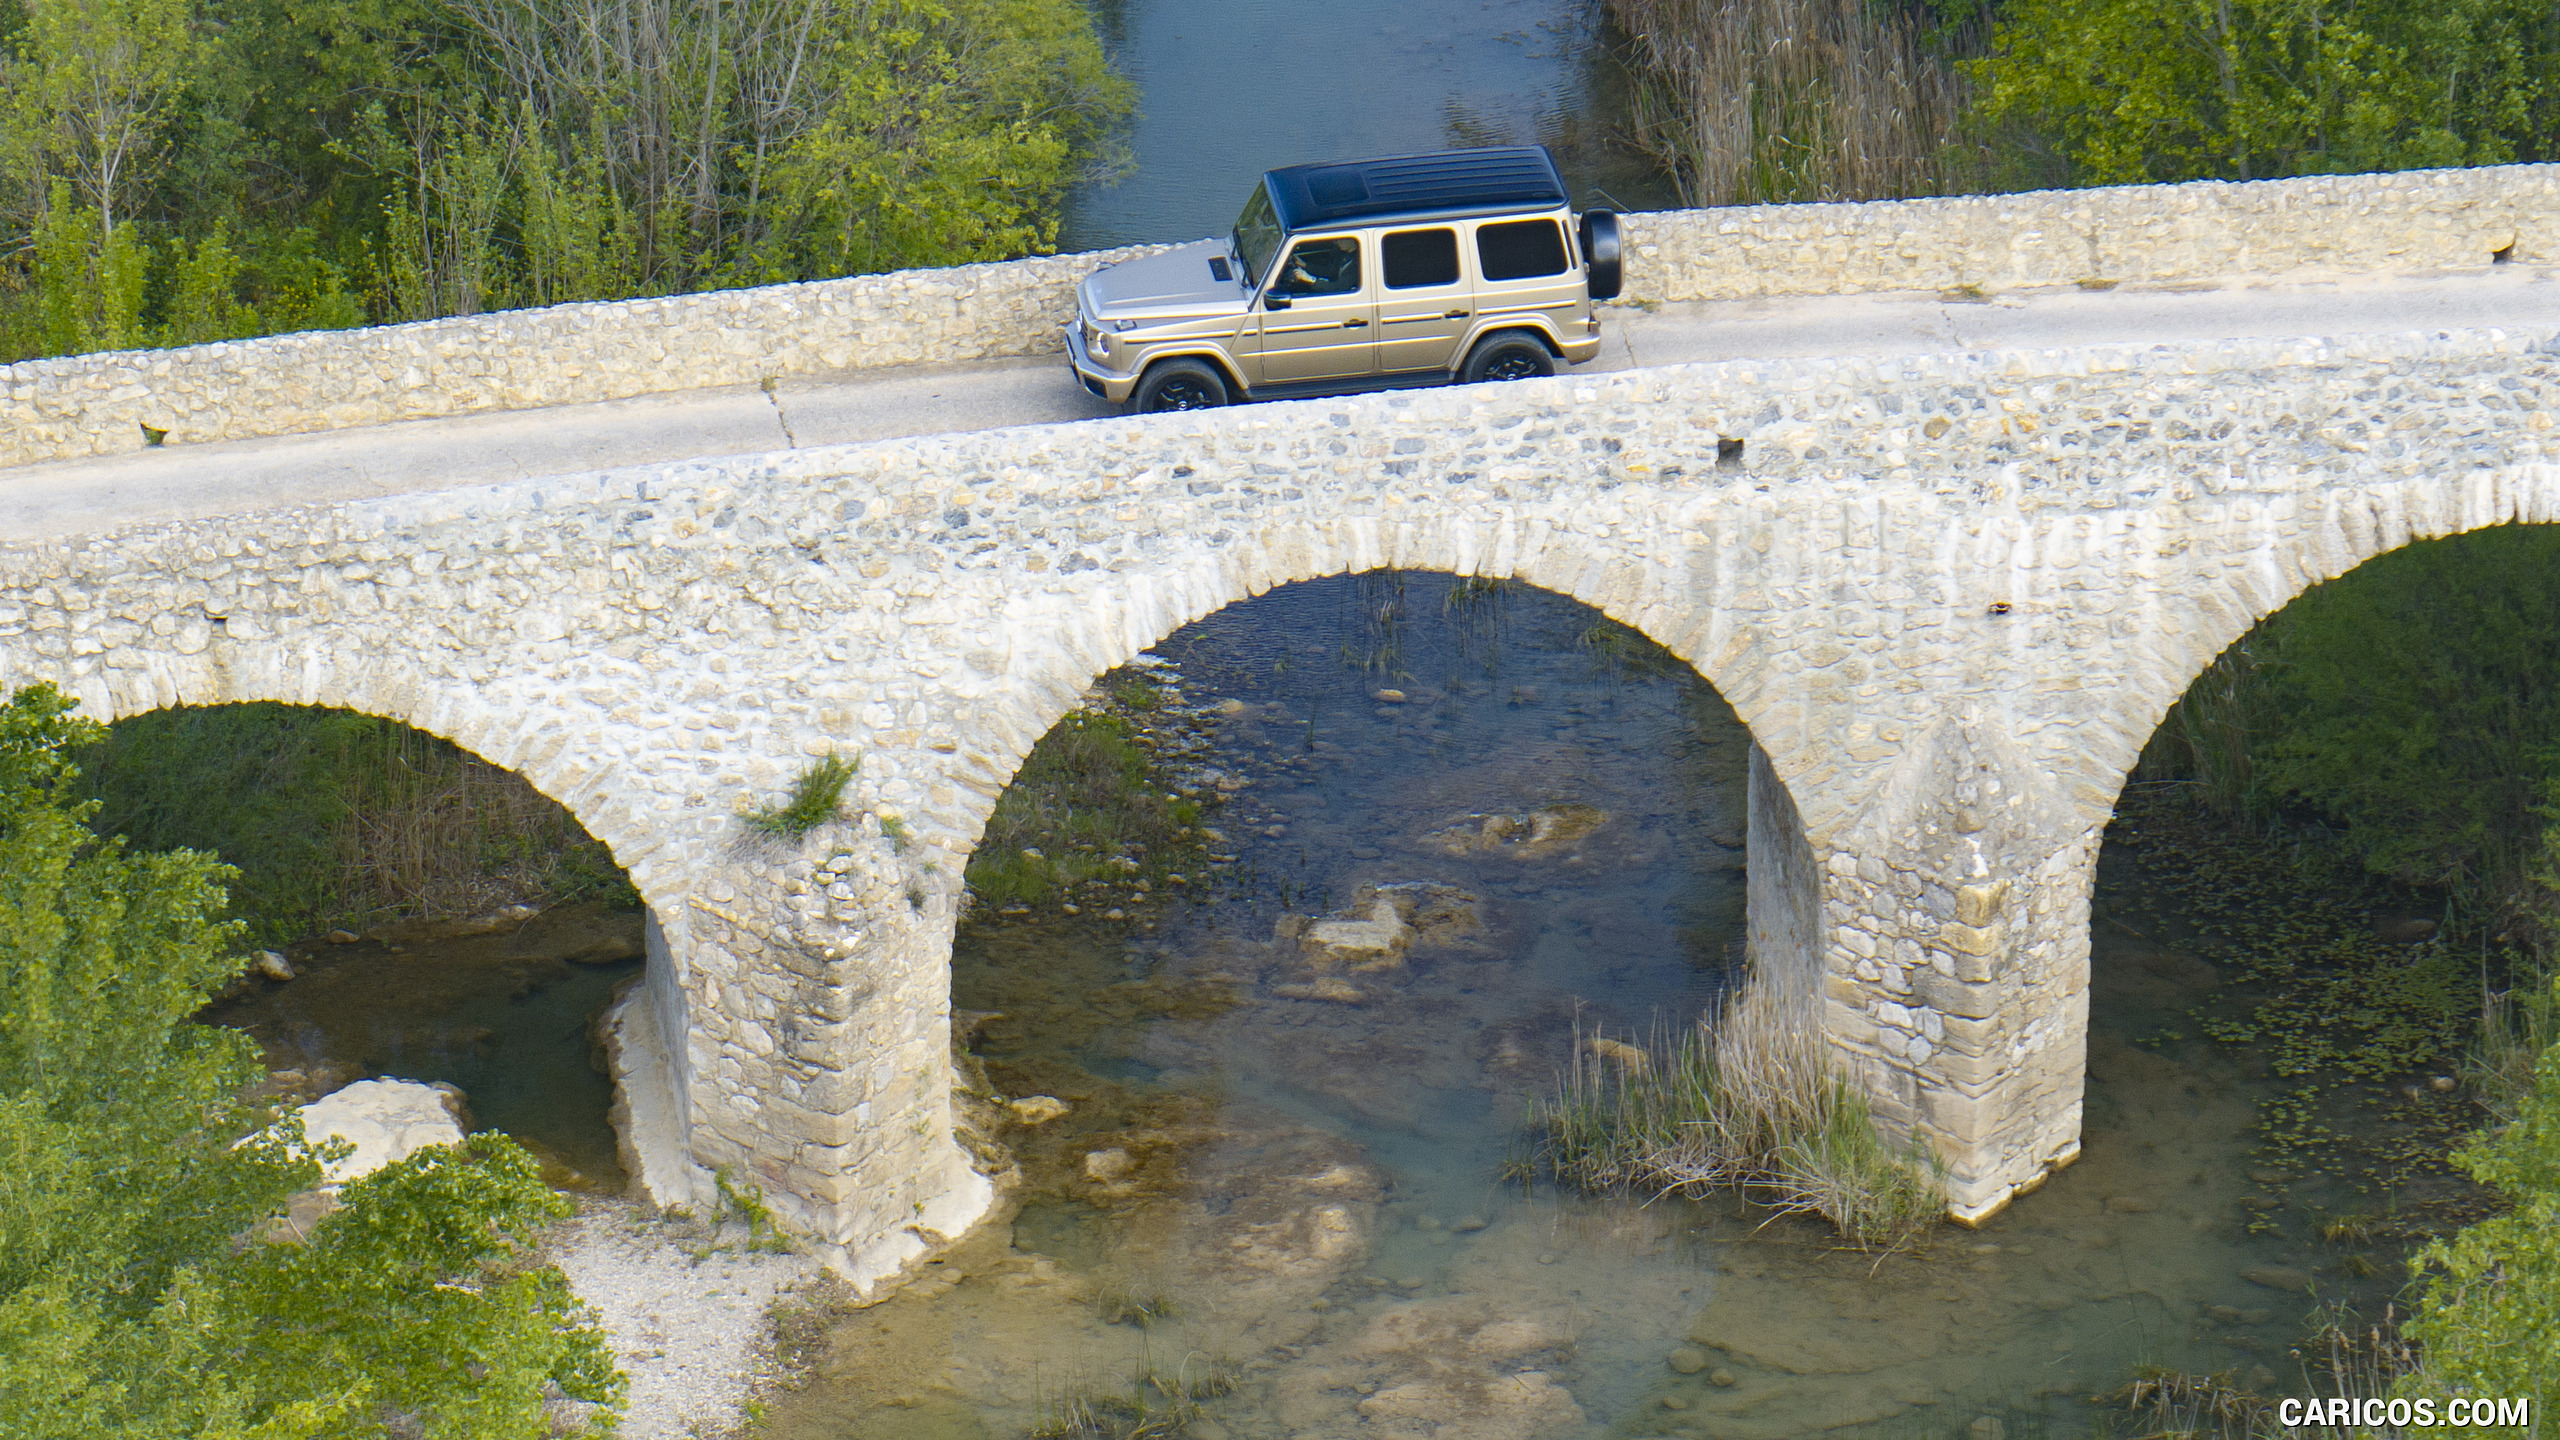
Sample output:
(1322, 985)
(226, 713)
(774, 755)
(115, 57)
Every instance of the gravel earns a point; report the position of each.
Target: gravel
(685, 1307)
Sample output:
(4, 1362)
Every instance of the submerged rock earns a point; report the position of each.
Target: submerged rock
(606, 951)
(1522, 834)
(1036, 1109)
(1630, 1058)
(2277, 1277)
(1382, 922)
(1454, 1371)
(1266, 1221)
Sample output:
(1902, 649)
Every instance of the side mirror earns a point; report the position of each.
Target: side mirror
(1600, 253)
(1276, 301)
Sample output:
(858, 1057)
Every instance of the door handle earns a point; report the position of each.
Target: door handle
(1353, 324)
(1455, 315)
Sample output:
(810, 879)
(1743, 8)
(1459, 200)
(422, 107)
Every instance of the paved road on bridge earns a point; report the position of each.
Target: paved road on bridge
(83, 497)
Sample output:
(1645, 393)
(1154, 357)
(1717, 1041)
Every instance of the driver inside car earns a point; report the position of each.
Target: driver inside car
(1322, 267)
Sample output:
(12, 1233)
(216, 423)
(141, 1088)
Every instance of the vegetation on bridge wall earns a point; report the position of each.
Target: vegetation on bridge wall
(180, 171)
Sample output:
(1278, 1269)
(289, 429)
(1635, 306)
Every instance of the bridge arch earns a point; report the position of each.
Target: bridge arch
(1129, 614)
(2285, 549)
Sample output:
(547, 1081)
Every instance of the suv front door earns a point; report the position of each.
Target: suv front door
(1326, 326)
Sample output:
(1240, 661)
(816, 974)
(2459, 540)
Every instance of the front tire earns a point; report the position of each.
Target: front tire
(1511, 356)
(1179, 385)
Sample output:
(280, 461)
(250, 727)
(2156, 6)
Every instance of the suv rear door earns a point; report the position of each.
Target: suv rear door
(1525, 271)
(1425, 303)
(1328, 329)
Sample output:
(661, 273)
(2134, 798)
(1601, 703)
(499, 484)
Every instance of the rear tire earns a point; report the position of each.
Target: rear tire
(1179, 385)
(1509, 356)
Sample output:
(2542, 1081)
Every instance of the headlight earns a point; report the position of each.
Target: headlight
(1096, 341)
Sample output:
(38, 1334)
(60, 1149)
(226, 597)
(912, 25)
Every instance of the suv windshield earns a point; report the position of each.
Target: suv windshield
(1257, 236)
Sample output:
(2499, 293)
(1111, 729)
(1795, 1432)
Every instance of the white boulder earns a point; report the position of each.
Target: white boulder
(386, 1120)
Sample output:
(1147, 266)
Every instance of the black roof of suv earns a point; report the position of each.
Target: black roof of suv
(1449, 184)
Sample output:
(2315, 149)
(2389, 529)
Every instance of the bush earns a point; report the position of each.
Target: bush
(2488, 1318)
(2410, 707)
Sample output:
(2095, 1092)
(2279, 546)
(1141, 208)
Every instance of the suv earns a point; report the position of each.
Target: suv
(1464, 266)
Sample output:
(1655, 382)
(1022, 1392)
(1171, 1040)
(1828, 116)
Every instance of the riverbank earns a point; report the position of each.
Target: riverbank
(689, 1308)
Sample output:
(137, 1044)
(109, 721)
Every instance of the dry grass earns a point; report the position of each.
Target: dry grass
(1749, 1100)
(445, 833)
(1752, 102)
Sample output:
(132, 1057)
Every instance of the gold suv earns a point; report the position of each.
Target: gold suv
(1460, 267)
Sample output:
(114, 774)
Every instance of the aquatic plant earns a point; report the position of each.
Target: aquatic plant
(2517, 1024)
(814, 798)
(1775, 101)
(1748, 1099)
(1132, 1304)
(2331, 1005)
(1152, 1405)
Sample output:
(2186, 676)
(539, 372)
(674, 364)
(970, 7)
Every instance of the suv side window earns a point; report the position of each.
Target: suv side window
(1321, 267)
(1411, 259)
(1520, 249)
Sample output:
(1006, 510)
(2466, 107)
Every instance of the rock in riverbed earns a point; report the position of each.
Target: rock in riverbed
(386, 1120)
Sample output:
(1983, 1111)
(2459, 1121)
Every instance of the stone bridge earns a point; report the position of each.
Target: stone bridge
(1950, 594)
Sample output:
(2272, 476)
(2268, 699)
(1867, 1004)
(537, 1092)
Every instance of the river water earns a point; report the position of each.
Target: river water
(1316, 1196)
(1230, 89)
(503, 1013)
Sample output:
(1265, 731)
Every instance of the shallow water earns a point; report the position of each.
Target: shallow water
(1311, 1193)
(503, 1015)
(1231, 89)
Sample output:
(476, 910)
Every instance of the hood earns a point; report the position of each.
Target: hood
(1167, 286)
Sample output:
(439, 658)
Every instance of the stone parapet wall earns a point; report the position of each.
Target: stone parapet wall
(573, 354)
(526, 359)
(2411, 221)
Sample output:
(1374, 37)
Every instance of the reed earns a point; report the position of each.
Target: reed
(1748, 1099)
(1751, 102)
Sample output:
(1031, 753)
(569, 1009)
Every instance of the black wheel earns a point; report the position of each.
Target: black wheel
(1180, 385)
(1511, 356)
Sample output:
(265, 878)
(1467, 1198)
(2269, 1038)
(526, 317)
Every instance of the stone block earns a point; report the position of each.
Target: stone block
(1955, 998)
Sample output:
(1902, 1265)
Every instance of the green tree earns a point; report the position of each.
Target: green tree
(131, 1167)
(2136, 91)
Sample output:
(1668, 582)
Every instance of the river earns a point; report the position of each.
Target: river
(1231, 89)
(1319, 1198)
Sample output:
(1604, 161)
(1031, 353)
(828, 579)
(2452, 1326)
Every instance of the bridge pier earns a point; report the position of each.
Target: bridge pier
(1953, 969)
(792, 1038)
